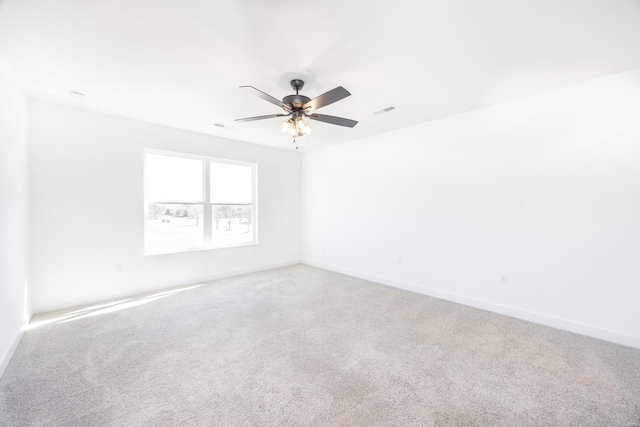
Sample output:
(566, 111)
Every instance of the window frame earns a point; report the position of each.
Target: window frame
(206, 202)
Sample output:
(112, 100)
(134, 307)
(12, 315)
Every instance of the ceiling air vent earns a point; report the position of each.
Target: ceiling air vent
(220, 125)
(385, 110)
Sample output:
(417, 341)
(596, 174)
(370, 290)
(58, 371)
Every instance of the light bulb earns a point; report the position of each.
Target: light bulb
(287, 126)
(303, 127)
(296, 127)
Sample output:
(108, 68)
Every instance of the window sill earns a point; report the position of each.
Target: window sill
(201, 249)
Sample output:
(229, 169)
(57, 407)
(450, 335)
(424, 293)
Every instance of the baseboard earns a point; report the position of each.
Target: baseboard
(247, 270)
(4, 362)
(542, 319)
(159, 286)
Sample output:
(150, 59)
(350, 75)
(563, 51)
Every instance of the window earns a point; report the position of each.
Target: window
(195, 202)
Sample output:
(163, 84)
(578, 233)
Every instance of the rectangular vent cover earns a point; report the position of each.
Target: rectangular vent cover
(385, 110)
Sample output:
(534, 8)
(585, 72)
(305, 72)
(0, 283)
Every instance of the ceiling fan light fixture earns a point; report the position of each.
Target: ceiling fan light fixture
(286, 126)
(296, 127)
(303, 127)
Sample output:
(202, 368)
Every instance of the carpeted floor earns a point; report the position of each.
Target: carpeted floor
(304, 346)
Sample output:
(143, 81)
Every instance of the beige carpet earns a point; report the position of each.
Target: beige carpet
(303, 346)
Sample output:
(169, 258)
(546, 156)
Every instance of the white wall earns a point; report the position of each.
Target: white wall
(13, 214)
(545, 189)
(87, 208)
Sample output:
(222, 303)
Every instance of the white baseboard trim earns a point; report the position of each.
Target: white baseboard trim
(542, 319)
(158, 286)
(247, 270)
(4, 362)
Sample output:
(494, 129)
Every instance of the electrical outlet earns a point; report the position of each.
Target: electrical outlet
(118, 266)
(399, 260)
(504, 279)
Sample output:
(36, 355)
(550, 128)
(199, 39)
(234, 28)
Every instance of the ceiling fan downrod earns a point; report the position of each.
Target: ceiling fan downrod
(297, 85)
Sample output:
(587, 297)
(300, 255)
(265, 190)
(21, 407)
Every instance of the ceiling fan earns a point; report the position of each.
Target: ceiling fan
(297, 107)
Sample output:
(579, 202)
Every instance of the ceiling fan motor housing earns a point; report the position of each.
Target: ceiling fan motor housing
(296, 101)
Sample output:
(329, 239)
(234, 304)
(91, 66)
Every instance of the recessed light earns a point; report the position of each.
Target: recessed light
(385, 110)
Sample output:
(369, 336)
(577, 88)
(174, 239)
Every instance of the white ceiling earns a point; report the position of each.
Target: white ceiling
(180, 63)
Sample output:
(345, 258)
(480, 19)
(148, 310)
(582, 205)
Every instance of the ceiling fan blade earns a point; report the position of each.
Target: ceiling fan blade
(340, 121)
(267, 97)
(327, 98)
(252, 119)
